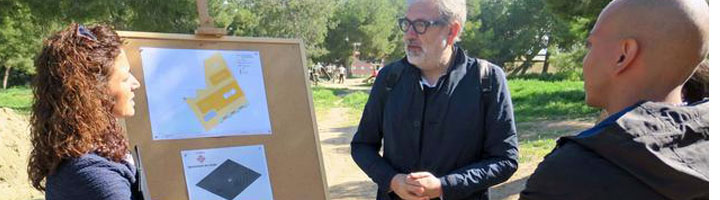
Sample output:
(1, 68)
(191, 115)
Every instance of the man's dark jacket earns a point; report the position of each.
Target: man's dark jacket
(468, 143)
(654, 151)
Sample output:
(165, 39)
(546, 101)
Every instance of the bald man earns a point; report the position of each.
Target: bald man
(653, 146)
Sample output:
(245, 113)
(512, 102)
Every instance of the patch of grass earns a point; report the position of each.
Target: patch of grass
(532, 150)
(535, 142)
(559, 76)
(17, 98)
(542, 100)
(356, 102)
(324, 98)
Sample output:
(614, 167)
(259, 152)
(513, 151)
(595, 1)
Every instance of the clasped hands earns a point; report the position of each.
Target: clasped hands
(416, 186)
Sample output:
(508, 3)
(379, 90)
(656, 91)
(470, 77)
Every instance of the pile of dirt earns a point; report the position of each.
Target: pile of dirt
(14, 150)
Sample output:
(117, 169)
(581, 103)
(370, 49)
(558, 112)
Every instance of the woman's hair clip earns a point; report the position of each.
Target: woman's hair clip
(84, 32)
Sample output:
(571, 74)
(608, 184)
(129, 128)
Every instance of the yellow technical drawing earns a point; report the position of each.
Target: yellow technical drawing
(221, 98)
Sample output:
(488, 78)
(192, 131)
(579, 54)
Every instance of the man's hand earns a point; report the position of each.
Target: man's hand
(405, 190)
(426, 180)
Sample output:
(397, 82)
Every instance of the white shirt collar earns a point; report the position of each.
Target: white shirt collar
(424, 82)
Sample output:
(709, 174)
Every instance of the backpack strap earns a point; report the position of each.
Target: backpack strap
(485, 89)
(392, 78)
(485, 80)
(390, 81)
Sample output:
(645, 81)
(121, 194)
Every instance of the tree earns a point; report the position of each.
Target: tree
(505, 30)
(304, 19)
(579, 8)
(577, 18)
(369, 23)
(581, 14)
(18, 38)
(24, 23)
(158, 16)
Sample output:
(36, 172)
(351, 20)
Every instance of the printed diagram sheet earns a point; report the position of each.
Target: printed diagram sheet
(204, 93)
(227, 173)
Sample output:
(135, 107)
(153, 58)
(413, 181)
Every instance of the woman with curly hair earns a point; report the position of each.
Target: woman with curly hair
(82, 87)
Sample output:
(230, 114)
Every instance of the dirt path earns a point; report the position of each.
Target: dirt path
(345, 179)
(14, 150)
(350, 84)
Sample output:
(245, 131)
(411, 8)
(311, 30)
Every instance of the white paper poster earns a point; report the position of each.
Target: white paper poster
(204, 93)
(227, 173)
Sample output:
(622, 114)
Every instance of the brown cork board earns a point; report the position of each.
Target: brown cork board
(292, 149)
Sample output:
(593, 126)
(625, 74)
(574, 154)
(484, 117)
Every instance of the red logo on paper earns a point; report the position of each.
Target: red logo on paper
(201, 158)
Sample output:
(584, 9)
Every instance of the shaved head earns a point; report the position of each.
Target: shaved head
(644, 50)
(672, 34)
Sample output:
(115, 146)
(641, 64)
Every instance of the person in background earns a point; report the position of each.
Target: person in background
(371, 78)
(315, 73)
(330, 71)
(341, 71)
(654, 145)
(82, 88)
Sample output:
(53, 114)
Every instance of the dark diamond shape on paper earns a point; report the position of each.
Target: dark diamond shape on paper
(228, 180)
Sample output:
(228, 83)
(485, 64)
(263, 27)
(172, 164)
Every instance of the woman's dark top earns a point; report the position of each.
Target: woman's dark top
(93, 177)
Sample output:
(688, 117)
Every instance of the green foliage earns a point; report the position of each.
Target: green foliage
(178, 16)
(579, 17)
(23, 24)
(505, 30)
(578, 8)
(17, 98)
(371, 23)
(308, 20)
(569, 61)
(18, 39)
(502, 31)
(539, 100)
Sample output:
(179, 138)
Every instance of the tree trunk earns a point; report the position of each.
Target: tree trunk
(516, 70)
(5, 77)
(529, 61)
(546, 63)
(527, 64)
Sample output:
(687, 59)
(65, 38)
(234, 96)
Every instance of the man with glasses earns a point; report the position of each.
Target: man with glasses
(443, 119)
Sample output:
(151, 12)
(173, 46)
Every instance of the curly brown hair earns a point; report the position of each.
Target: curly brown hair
(72, 111)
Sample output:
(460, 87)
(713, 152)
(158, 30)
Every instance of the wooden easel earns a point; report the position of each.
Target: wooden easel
(207, 28)
(294, 158)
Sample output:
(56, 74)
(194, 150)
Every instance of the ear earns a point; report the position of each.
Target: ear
(454, 32)
(629, 50)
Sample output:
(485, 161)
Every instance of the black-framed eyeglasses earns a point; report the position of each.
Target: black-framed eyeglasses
(420, 26)
(84, 32)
